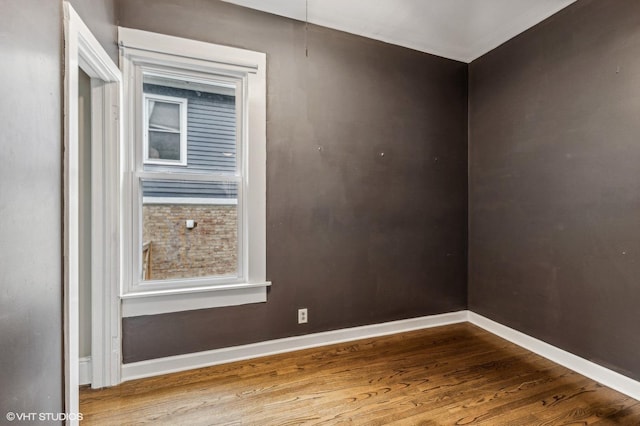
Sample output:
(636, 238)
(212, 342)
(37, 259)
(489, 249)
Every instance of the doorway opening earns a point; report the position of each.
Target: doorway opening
(91, 219)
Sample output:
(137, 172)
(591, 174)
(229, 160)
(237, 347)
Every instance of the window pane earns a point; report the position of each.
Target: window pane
(211, 121)
(164, 116)
(164, 146)
(172, 246)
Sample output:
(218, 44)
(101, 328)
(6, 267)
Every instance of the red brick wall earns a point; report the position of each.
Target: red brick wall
(177, 252)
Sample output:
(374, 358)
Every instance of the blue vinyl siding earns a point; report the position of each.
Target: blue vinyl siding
(189, 189)
(211, 144)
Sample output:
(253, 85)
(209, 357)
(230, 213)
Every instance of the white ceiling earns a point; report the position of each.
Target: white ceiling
(457, 29)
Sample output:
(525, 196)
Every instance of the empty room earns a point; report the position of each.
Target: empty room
(286, 212)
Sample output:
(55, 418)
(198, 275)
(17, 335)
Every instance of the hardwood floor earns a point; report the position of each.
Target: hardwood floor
(452, 375)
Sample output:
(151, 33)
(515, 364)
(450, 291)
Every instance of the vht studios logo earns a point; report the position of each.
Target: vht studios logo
(43, 417)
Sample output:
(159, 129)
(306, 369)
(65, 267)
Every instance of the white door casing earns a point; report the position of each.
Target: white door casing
(83, 51)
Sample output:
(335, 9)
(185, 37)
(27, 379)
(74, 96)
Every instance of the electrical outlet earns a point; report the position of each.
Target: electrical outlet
(303, 318)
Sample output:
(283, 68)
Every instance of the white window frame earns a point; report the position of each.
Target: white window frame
(191, 200)
(182, 103)
(213, 77)
(142, 50)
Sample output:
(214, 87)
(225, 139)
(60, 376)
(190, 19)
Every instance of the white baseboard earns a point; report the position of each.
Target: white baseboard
(85, 370)
(580, 365)
(155, 367)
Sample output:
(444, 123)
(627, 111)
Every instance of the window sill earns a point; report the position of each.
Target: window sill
(162, 302)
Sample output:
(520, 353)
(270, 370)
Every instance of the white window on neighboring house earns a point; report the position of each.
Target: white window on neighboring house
(196, 128)
(165, 133)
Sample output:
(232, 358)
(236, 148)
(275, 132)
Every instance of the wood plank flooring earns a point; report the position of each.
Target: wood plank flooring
(452, 375)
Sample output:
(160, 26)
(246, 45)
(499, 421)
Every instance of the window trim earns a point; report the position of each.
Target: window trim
(182, 103)
(138, 50)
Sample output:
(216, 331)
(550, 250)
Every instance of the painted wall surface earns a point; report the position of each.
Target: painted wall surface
(31, 365)
(555, 183)
(355, 236)
(84, 214)
(100, 17)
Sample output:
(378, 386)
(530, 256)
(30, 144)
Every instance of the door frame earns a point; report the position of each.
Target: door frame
(83, 51)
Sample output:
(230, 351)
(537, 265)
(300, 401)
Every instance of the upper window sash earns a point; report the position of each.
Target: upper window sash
(213, 81)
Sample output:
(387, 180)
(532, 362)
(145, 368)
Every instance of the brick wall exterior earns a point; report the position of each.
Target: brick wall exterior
(177, 252)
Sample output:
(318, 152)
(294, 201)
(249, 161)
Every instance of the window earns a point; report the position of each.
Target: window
(195, 222)
(165, 133)
(190, 207)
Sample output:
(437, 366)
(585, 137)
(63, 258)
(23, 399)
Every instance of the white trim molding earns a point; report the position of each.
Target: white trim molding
(600, 374)
(85, 371)
(83, 51)
(155, 367)
(173, 364)
(134, 305)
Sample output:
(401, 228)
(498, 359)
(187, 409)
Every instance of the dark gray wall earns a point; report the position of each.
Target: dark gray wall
(100, 18)
(555, 183)
(31, 369)
(356, 237)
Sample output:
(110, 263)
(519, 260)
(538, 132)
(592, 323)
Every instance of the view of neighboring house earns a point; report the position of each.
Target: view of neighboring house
(208, 244)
